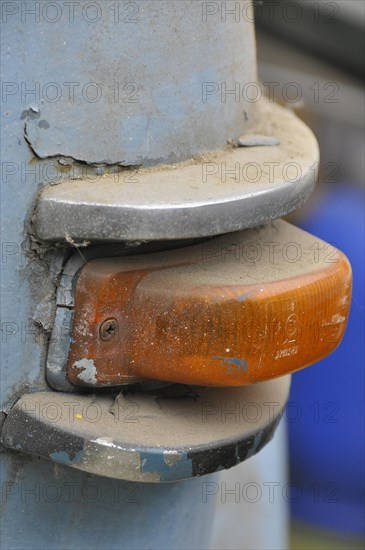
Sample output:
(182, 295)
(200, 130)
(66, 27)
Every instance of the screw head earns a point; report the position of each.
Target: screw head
(108, 329)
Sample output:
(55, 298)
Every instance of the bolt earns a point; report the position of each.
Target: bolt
(108, 329)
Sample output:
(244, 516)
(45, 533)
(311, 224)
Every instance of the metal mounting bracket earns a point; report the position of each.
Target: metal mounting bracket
(166, 435)
(220, 192)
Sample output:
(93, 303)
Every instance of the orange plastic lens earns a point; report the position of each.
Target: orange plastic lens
(234, 310)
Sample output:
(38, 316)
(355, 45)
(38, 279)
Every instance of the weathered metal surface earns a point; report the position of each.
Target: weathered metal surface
(224, 191)
(48, 506)
(166, 435)
(152, 81)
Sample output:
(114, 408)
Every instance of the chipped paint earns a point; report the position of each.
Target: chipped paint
(233, 365)
(171, 458)
(243, 296)
(174, 448)
(154, 461)
(116, 462)
(106, 441)
(336, 319)
(248, 140)
(88, 372)
(31, 113)
(65, 458)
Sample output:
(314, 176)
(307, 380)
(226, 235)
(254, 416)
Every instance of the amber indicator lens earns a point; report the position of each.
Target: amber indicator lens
(234, 310)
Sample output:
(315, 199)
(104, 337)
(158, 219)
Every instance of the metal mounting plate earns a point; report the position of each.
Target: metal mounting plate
(220, 192)
(170, 434)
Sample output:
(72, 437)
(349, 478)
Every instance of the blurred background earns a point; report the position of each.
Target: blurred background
(311, 59)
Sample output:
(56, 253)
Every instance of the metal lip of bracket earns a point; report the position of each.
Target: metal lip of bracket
(61, 333)
(265, 175)
(152, 436)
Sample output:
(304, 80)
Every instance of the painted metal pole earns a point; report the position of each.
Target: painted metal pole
(85, 92)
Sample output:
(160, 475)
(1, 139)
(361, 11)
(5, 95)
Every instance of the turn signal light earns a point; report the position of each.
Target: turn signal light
(234, 310)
